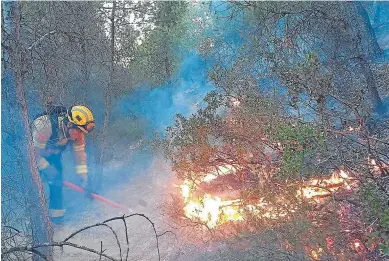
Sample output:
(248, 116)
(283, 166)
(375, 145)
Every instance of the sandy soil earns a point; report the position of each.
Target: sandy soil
(150, 194)
(145, 194)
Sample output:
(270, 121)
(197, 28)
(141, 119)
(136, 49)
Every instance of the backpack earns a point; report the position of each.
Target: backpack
(53, 111)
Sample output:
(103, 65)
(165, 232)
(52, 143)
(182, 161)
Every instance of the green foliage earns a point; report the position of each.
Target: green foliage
(292, 136)
(298, 141)
(369, 193)
(385, 249)
(292, 162)
(377, 212)
(310, 59)
(158, 56)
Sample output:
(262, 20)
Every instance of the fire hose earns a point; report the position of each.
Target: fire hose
(96, 196)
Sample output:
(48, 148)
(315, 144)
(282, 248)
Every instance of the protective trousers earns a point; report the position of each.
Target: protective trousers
(56, 209)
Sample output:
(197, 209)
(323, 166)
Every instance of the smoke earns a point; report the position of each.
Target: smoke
(378, 14)
(155, 107)
(159, 105)
(148, 110)
(13, 140)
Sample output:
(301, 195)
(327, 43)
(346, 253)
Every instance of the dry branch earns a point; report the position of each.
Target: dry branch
(35, 248)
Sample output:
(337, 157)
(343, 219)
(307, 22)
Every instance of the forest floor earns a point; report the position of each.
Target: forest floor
(146, 194)
(150, 194)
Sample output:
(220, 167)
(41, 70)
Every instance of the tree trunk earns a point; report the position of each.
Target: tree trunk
(109, 87)
(364, 23)
(4, 56)
(39, 219)
(371, 85)
(84, 65)
(372, 39)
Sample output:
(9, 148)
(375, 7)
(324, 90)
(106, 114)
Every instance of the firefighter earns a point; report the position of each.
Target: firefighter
(52, 132)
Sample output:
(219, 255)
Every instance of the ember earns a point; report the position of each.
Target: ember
(315, 254)
(317, 188)
(380, 168)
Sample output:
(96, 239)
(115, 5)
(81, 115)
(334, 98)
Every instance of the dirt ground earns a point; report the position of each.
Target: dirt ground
(145, 194)
(149, 194)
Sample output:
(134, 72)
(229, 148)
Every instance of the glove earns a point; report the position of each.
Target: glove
(50, 174)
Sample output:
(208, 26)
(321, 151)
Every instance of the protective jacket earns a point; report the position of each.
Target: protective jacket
(50, 138)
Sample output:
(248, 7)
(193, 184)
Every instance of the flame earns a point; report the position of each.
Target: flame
(185, 190)
(214, 211)
(378, 169)
(235, 102)
(316, 254)
(210, 209)
(375, 167)
(220, 171)
(324, 187)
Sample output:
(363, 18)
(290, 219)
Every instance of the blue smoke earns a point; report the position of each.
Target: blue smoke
(158, 105)
(183, 94)
(378, 13)
(12, 134)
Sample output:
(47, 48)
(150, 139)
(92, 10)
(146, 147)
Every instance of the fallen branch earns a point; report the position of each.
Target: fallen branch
(32, 249)
(100, 252)
(40, 40)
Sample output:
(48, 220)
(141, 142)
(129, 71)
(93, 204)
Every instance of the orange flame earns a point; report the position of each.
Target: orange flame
(378, 168)
(316, 254)
(214, 211)
(324, 187)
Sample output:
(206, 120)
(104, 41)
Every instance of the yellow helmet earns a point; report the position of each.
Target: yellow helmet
(82, 117)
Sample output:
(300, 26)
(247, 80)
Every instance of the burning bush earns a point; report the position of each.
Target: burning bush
(241, 160)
